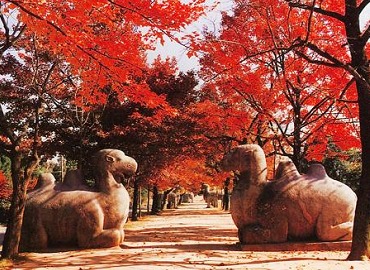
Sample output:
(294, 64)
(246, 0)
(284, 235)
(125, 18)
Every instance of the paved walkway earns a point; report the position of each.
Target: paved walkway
(191, 237)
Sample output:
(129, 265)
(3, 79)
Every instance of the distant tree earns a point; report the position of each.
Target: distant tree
(344, 166)
(5, 166)
(155, 136)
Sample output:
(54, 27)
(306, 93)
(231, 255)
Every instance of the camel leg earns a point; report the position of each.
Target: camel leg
(253, 234)
(41, 238)
(108, 238)
(261, 235)
(90, 232)
(240, 236)
(256, 234)
(34, 236)
(339, 232)
(208, 203)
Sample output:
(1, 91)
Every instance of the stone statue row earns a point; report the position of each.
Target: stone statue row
(292, 207)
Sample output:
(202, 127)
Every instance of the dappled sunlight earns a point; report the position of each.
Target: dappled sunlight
(190, 237)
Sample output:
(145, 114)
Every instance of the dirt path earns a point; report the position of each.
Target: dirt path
(191, 237)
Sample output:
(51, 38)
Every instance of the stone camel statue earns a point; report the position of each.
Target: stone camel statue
(210, 196)
(293, 207)
(172, 200)
(73, 214)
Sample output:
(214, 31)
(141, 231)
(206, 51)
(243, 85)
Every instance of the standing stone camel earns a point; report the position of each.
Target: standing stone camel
(172, 200)
(293, 207)
(72, 214)
(210, 196)
(188, 197)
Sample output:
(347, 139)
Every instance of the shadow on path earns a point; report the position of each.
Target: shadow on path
(191, 237)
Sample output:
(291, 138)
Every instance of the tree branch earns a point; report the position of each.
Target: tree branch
(166, 33)
(10, 38)
(362, 5)
(364, 38)
(16, 3)
(334, 61)
(332, 14)
(5, 128)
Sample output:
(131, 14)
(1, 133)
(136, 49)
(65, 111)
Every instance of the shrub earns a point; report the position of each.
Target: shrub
(5, 193)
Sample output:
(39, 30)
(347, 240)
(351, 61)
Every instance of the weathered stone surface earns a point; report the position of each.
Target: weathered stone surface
(73, 214)
(293, 207)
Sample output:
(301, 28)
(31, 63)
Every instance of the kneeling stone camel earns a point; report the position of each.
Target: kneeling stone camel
(72, 214)
(293, 207)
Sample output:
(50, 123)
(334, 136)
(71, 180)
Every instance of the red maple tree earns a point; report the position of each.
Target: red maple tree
(102, 43)
(306, 61)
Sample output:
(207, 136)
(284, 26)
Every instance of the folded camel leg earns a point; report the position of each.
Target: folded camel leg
(339, 232)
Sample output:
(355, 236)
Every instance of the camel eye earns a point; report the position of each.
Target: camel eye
(109, 158)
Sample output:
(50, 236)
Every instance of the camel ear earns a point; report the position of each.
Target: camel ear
(109, 158)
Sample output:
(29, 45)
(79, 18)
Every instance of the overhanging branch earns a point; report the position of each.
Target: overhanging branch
(332, 14)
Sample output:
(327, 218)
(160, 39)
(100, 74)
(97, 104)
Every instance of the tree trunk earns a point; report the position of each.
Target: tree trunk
(297, 136)
(148, 201)
(13, 230)
(140, 202)
(226, 198)
(14, 226)
(156, 201)
(135, 202)
(361, 231)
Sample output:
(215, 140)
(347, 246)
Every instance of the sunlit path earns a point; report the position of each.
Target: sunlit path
(190, 237)
(191, 226)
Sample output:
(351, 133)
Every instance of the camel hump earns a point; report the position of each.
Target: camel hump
(286, 168)
(317, 170)
(73, 179)
(45, 179)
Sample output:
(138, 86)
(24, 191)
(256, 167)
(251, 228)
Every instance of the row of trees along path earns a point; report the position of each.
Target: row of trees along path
(190, 237)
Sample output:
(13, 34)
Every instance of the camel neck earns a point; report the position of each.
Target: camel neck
(105, 181)
(258, 172)
(255, 172)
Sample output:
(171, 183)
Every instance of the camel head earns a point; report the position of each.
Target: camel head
(242, 157)
(116, 163)
(248, 159)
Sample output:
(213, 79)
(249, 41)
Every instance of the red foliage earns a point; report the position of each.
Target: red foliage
(5, 189)
(104, 42)
(267, 91)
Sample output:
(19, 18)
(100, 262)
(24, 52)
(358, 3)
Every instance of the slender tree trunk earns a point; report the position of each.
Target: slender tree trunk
(20, 182)
(359, 61)
(135, 202)
(140, 202)
(225, 198)
(14, 225)
(148, 201)
(297, 141)
(156, 201)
